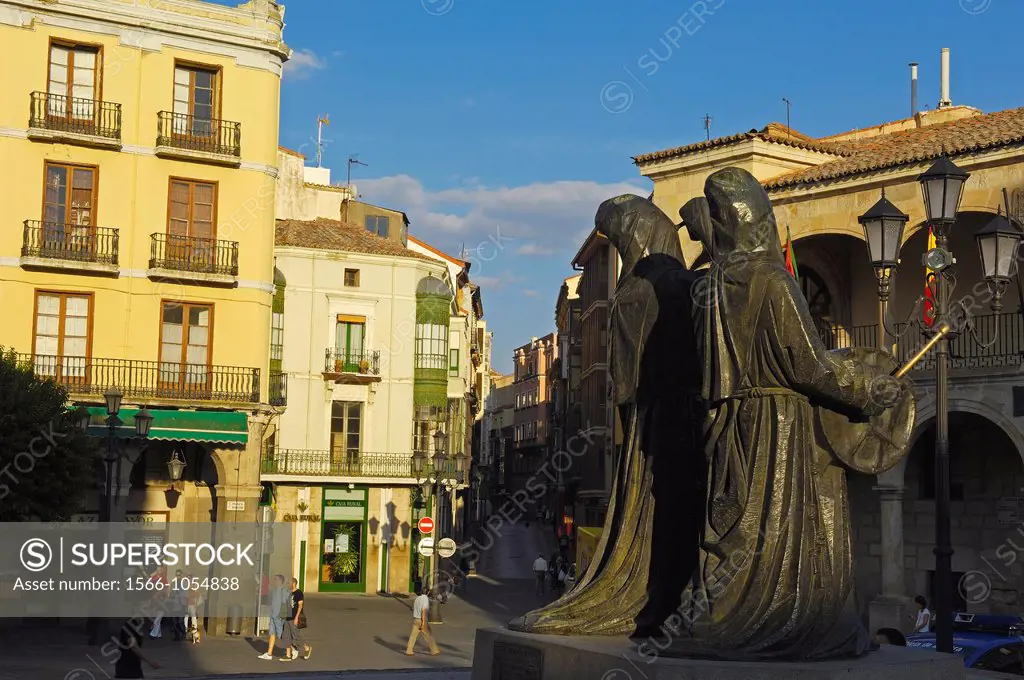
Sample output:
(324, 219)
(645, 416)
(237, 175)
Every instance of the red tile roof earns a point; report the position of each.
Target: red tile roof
(290, 152)
(773, 132)
(453, 260)
(325, 234)
(911, 147)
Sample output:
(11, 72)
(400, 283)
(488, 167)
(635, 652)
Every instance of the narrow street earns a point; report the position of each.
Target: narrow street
(348, 632)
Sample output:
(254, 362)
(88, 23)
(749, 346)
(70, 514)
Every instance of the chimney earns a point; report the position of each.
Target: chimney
(944, 100)
(913, 89)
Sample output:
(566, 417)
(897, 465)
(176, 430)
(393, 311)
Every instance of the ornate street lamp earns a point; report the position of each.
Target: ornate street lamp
(176, 466)
(883, 225)
(113, 400)
(419, 462)
(942, 187)
(143, 422)
(998, 242)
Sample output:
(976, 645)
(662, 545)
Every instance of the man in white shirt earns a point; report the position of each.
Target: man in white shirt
(540, 570)
(420, 607)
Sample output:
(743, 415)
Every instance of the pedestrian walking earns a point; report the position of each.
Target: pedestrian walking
(293, 627)
(540, 571)
(159, 599)
(129, 662)
(420, 607)
(279, 611)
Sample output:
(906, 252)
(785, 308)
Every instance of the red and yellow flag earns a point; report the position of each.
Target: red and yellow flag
(791, 256)
(929, 286)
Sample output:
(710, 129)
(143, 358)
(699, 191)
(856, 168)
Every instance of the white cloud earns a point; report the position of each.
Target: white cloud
(302, 64)
(497, 224)
(533, 249)
(530, 293)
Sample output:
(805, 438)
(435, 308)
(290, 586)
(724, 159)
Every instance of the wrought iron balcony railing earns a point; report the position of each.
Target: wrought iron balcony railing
(148, 379)
(278, 389)
(78, 116)
(194, 255)
(344, 361)
(336, 463)
(69, 242)
(195, 133)
(998, 340)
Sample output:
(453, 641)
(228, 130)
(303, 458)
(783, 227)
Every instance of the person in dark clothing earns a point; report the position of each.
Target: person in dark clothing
(129, 663)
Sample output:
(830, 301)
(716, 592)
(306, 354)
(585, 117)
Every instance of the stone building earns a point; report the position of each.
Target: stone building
(819, 187)
(531, 434)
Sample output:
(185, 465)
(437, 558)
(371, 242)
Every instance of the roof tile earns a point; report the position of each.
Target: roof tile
(326, 234)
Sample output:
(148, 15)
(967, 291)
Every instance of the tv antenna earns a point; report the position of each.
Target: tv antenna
(789, 107)
(707, 125)
(321, 121)
(352, 160)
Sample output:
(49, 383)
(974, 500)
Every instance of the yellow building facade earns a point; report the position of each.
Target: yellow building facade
(139, 145)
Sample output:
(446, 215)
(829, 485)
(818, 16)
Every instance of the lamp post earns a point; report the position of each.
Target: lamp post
(434, 479)
(942, 187)
(265, 516)
(112, 457)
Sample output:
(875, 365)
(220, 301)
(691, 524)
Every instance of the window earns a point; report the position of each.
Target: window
(431, 345)
(351, 278)
(191, 221)
(378, 224)
(72, 81)
(349, 336)
(62, 335)
(68, 215)
(195, 100)
(346, 433)
(185, 339)
(453, 362)
(277, 337)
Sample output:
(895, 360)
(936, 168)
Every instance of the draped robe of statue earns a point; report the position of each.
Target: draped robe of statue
(651, 534)
(775, 571)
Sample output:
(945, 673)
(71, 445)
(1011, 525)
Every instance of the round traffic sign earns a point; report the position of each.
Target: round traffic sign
(446, 547)
(425, 546)
(425, 525)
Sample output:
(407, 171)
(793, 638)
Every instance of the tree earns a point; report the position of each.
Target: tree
(47, 463)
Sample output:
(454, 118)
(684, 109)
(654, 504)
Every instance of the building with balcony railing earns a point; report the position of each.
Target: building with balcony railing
(137, 253)
(359, 365)
(819, 187)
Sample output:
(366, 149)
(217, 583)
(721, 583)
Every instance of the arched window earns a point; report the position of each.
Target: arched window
(816, 293)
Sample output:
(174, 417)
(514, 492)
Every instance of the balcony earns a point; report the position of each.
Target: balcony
(52, 245)
(59, 118)
(148, 380)
(351, 368)
(336, 463)
(187, 258)
(208, 140)
(278, 389)
(1000, 344)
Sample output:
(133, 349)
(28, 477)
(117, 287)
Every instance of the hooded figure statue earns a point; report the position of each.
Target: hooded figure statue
(648, 548)
(775, 571)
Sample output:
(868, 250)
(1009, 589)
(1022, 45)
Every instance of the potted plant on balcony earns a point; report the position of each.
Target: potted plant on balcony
(339, 366)
(364, 366)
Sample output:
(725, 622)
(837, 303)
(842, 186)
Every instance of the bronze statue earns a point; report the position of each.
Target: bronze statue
(776, 570)
(734, 542)
(653, 522)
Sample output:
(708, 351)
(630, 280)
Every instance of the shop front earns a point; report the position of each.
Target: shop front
(343, 540)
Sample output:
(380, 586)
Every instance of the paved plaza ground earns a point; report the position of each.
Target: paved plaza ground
(348, 632)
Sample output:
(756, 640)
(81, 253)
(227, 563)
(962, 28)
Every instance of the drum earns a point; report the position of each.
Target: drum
(876, 444)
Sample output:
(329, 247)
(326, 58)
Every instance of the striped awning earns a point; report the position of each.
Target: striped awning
(219, 427)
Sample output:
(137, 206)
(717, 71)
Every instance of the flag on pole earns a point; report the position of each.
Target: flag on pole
(929, 286)
(791, 256)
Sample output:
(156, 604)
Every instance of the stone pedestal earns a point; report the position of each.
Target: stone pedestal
(890, 612)
(504, 655)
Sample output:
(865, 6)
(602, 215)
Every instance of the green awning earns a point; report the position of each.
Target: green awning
(219, 427)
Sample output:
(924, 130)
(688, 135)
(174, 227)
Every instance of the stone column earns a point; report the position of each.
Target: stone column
(889, 608)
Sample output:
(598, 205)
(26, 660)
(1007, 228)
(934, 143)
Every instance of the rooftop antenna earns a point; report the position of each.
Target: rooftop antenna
(707, 125)
(352, 160)
(321, 121)
(789, 106)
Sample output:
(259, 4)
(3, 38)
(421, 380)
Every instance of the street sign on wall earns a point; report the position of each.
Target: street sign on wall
(425, 546)
(425, 525)
(446, 547)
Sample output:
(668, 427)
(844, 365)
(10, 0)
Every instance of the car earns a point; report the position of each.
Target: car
(990, 642)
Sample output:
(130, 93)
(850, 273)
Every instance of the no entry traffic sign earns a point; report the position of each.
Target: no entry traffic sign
(426, 525)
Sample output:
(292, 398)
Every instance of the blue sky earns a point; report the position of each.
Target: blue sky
(501, 126)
